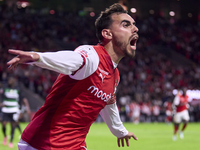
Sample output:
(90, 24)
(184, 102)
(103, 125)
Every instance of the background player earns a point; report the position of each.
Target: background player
(181, 113)
(10, 109)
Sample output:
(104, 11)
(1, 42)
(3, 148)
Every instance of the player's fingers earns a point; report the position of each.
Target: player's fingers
(118, 142)
(13, 66)
(127, 141)
(15, 52)
(13, 61)
(122, 141)
(134, 137)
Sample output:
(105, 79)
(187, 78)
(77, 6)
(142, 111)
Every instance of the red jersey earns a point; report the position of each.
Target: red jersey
(182, 103)
(72, 106)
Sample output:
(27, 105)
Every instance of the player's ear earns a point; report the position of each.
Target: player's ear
(106, 33)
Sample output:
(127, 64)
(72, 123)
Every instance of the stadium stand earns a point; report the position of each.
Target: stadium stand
(167, 55)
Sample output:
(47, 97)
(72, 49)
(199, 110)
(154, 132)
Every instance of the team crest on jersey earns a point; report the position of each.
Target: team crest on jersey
(82, 52)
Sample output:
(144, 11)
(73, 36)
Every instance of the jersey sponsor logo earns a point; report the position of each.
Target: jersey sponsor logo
(99, 93)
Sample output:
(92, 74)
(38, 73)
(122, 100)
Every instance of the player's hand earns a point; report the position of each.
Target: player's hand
(21, 58)
(130, 135)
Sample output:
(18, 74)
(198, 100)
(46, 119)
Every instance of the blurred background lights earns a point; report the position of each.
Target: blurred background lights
(92, 14)
(190, 15)
(22, 4)
(151, 11)
(193, 94)
(133, 10)
(172, 13)
(52, 12)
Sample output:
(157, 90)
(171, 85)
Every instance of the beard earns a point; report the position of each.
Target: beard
(122, 48)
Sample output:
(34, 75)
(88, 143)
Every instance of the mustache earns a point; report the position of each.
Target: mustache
(134, 35)
(133, 38)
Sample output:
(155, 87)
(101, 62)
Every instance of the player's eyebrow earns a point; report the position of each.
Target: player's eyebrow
(128, 22)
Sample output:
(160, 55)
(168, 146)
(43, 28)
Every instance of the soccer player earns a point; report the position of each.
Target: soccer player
(85, 87)
(181, 113)
(10, 109)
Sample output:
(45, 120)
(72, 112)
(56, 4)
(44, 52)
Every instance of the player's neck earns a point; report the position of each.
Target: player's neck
(111, 51)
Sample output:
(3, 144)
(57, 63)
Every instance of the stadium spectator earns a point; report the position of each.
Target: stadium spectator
(146, 111)
(85, 87)
(155, 111)
(134, 112)
(181, 113)
(123, 107)
(197, 113)
(168, 111)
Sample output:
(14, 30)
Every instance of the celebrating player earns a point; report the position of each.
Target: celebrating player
(85, 87)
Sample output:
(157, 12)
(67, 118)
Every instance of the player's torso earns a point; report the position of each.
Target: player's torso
(183, 99)
(73, 105)
(10, 100)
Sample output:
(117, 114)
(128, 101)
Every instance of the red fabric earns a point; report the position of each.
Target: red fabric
(183, 103)
(71, 107)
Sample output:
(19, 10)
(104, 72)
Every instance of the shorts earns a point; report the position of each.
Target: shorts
(10, 117)
(181, 116)
(22, 145)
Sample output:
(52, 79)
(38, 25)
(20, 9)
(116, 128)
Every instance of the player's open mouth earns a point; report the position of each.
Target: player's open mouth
(134, 40)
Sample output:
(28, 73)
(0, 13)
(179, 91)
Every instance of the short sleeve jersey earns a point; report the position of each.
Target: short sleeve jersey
(183, 99)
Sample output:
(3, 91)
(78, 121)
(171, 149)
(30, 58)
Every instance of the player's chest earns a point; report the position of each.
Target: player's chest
(103, 84)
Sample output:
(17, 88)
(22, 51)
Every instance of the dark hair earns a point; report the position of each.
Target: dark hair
(104, 20)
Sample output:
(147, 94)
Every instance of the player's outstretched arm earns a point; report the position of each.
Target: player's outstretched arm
(21, 58)
(126, 138)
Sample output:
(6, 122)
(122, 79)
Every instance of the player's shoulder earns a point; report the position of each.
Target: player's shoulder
(86, 50)
(90, 55)
(91, 61)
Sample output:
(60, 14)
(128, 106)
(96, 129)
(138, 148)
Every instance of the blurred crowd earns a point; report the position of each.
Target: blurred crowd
(147, 81)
